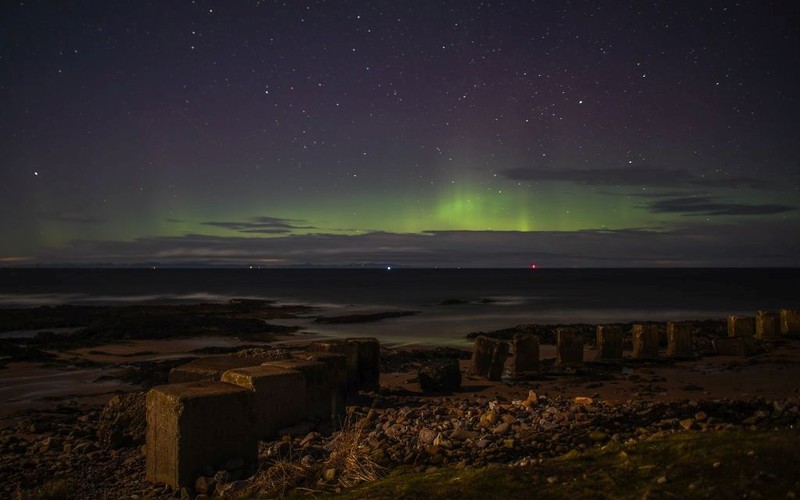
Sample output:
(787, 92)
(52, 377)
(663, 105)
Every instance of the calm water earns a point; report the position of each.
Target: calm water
(495, 298)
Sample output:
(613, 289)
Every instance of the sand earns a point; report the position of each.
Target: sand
(771, 375)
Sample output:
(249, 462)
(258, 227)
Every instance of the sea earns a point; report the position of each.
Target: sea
(449, 303)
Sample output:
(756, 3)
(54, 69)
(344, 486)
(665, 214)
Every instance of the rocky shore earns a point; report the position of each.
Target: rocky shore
(76, 449)
(99, 454)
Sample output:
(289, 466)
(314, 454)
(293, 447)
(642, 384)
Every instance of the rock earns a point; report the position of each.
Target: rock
(427, 436)
(598, 436)
(442, 442)
(483, 443)
(501, 429)
(440, 375)
(222, 477)
(687, 424)
(488, 419)
(582, 400)
(463, 435)
(123, 421)
(205, 484)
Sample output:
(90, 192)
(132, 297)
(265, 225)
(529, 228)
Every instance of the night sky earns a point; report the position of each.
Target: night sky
(408, 133)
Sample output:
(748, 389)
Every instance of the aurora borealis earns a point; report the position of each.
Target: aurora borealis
(455, 133)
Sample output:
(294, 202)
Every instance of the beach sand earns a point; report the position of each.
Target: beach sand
(93, 375)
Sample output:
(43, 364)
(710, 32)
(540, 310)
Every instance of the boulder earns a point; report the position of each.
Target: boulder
(440, 375)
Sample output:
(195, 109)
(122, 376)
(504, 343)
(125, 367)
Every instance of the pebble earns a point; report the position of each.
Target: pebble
(421, 433)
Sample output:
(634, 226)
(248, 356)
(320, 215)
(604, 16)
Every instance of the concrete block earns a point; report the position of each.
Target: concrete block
(609, 343)
(196, 424)
(489, 358)
(790, 322)
(369, 362)
(279, 396)
(735, 346)
(768, 325)
(679, 340)
(350, 352)
(741, 326)
(209, 368)
(526, 354)
(337, 369)
(318, 386)
(569, 347)
(645, 341)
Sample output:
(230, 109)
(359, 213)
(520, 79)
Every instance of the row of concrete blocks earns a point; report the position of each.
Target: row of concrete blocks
(765, 325)
(221, 406)
(489, 355)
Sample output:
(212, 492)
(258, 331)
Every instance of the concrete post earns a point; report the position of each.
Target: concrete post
(679, 340)
(645, 341)
(790, 322)
(369, 362)
(489, 358)
(526, 354)
(768, 325)
(209, 368)
(337, 370)
(569, 347)
(196, 424)
(609, 343)
(319, 382)
(279, 396)
(741, 326)
(350, 352)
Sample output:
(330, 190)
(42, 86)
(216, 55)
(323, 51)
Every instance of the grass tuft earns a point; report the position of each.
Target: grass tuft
(347, 464)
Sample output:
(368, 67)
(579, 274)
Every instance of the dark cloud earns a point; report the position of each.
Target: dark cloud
(630, 176)
(759, 243)
(262, 225)
(72, 217)
(707, 205)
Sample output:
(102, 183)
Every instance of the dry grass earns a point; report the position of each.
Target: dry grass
(347, 464)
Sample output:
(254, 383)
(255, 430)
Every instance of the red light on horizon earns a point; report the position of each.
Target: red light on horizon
(533, 265)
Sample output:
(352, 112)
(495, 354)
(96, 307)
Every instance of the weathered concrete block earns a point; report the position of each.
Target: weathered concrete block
(735, 346)
(196, 424)
(569, 347)
(369, 362)
(279, 396)
(318, 386)
(679, 340)
(768, 325)
(609, 343)
(489, 358)
(337, 369)
(526, 354)
(645, 341)
(209, 368)
(790, 322)
(440, 375)
(350, 351)
(741, 326)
